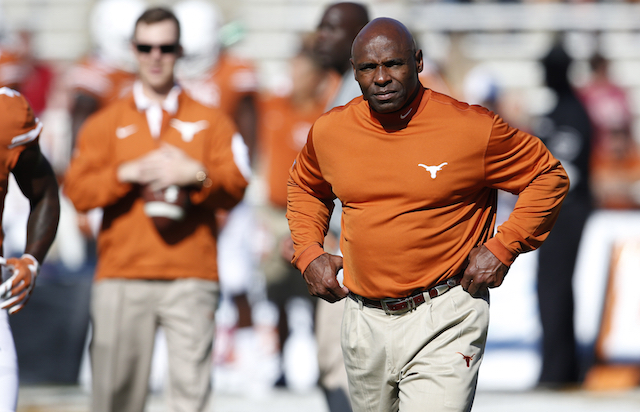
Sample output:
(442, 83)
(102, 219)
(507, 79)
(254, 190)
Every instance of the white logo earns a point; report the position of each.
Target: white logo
(187, 129)
(126, 131)
(9, 92)
(171, 194)
(403, 116)
(433, 169)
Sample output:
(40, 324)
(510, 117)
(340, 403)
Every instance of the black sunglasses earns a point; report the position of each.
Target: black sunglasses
(164, 48)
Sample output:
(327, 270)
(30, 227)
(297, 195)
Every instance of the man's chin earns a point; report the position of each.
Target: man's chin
(384, 107)
(159, 84)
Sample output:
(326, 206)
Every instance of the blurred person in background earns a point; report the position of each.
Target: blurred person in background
(21, 156)
(615, 158)
(212, 74)
(12, 70)
(215, 77)
(155, 139)
(108, 71)
(284, 124)
(104, 75)
(566, 130)
(336, 31)
(38, 77)
(613, 229)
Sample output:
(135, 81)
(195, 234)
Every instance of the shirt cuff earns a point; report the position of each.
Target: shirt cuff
(500, 251)
(307, 256)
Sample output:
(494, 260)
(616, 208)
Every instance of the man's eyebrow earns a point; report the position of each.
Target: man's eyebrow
(394, 61)
(365, 65)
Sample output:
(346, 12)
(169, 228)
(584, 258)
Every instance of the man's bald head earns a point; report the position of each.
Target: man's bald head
(386, 64)
(339, 25)
(388, 28)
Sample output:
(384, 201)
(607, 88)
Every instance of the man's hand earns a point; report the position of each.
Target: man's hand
(483, 271)
(161, 168)
(321, 280)
(16, 291)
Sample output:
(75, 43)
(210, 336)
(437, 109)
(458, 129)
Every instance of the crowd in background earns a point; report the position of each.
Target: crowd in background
(263, 319)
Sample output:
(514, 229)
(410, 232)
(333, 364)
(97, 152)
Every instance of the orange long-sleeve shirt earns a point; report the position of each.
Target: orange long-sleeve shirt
(95, 77)
(419, 191)
(225, 85)
(129, 246)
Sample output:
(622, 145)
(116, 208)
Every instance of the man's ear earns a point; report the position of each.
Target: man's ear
(419, 61)
(180, 52)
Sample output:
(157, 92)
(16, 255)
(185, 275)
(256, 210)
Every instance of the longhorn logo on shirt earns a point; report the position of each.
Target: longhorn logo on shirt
(433, 169)
(467, 358)
(188, 129)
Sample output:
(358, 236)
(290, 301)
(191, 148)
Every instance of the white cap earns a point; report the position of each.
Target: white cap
(200, 23)
(112, 25)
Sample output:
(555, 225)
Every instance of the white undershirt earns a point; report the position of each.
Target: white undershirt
(153, 109)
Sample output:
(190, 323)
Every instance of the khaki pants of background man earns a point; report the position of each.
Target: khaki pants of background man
(125, 315)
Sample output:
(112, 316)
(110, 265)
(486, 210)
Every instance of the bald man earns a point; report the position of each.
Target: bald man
(417, 175)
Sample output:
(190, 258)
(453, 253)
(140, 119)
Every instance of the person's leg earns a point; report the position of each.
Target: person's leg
(187, 316)
(333, 376)
(122, 344)
(450, 336)
(428, 357)
(8, 366)
(556, 263)
(372, 385)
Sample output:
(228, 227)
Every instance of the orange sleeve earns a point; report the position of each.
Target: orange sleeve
(223, 162)
(521, 164)
(91, 180)
(309, 206)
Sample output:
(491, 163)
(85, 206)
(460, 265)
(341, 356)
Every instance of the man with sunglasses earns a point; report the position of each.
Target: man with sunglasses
(155, 137)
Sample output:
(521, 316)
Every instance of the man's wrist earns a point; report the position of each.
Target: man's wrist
(202, 177)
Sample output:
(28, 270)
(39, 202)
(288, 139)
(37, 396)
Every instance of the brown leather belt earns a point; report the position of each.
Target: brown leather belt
(398, 306)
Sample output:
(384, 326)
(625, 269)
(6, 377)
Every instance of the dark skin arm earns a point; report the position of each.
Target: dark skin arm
(38, 183)
(483, 271)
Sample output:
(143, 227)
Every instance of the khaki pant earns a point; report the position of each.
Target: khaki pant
(330, 363)
(125, 315)
(424, 360)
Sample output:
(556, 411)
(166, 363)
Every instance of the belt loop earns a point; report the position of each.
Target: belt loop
(361, 303)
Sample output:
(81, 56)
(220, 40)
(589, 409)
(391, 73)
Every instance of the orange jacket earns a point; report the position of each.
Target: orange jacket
(104, 82)
(128, 244)
(283, 132)
(19, 130)
(225, 85)
(419, 191)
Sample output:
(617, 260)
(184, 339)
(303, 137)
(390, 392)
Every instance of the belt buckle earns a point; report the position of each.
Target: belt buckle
(409, 302)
